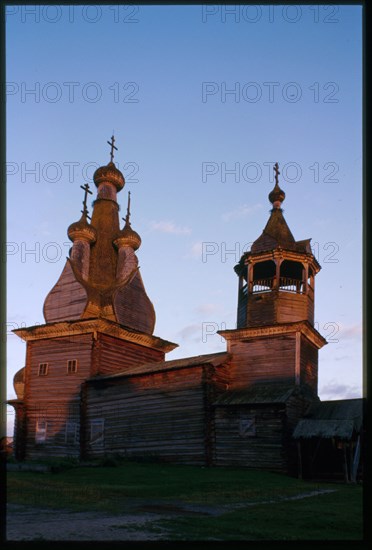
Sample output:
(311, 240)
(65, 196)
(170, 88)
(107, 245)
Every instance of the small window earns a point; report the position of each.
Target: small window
(72, 433)
(97, 432)
(72, 366)
(247, 426)
(41, 431)
(43, 369)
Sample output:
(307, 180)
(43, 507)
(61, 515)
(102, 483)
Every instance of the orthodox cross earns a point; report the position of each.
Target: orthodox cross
(111, 143)
(87, 190)
(276, 170)
(126, 219)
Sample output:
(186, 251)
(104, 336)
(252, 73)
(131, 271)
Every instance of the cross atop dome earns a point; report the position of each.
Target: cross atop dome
(86, 191)
(127, 217)
(277, 195)
(276, 170)
(111, 143)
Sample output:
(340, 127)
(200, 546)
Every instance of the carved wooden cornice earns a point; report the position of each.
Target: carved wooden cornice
(246, 334)
(86, 326)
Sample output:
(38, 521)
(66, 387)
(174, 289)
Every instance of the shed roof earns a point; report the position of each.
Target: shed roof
(261, 393)
(331, 419)
(214, 359)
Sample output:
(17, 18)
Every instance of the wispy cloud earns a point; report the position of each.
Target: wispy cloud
(170, 227)
(351, 332)
(206, 309)
(336, 390)
(190, 330)
(195, 251)
(241, 212)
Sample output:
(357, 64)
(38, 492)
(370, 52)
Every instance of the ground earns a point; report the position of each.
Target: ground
(144, 502)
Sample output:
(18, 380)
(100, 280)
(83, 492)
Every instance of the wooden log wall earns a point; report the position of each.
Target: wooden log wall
(296, 407)
(264, 450)
(161, 415)
(55, 397)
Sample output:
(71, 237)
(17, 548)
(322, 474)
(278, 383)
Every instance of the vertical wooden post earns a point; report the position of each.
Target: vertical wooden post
(355, 462)
(240, 286)
(250, 277)
(345, 463)
(305, 275)
(312, 282)
(277, 273)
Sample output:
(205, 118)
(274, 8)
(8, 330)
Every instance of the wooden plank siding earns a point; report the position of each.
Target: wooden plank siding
(159, 415)
(67, 299)
(309, 364)
(261, 309)
(55, 397)
(291, 306)
(268, 308)
(115, 355)
(269, 358)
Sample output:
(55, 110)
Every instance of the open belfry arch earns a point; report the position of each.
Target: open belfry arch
(96, 381)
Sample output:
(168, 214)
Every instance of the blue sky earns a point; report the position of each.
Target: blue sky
(202, 104)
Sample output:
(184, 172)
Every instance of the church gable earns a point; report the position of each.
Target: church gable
(133, 307)
(67, 299)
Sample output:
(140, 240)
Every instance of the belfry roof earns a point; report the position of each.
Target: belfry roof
(276, 232)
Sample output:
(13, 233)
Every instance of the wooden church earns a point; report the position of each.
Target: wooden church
(96, 381)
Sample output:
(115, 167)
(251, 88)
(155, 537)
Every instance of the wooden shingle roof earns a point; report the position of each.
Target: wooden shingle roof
(263, 393)
(214, 359)
(331, 419)
(277, 233)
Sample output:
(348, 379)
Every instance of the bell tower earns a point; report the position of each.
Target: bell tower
(277, 276)
(275, 339)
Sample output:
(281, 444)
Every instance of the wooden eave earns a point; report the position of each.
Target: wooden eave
(326, 419)
(211, 360)
(14, 402)
(304, 327)
(86, 326)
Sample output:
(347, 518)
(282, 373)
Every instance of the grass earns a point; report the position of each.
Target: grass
(337, 515)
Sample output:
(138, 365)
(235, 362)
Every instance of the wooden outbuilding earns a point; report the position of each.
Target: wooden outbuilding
(330, 440)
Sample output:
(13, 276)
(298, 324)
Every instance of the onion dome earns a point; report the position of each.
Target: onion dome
(277, 195)
(127, 236)
(82, 230)
(109, 174)
(19, 383)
